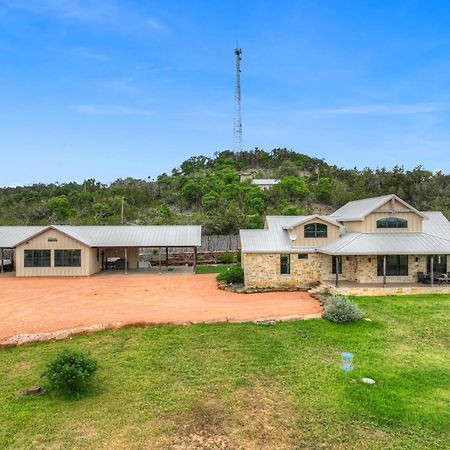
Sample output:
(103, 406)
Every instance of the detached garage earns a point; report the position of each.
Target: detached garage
(66, 250)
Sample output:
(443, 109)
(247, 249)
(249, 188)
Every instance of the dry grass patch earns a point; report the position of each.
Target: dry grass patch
(254, 417)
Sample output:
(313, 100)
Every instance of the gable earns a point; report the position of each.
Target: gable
(297, 233)
(51, 238)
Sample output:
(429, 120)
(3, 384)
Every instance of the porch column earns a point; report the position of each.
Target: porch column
(167, 256)
(159, 259)
(432, 270)
(195, 258)
(1, 261)
(337, 270)
(384, 271)
(126, 261)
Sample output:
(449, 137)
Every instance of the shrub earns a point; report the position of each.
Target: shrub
(70, 371)
(227, 257)
(233, 274)
(340, 310)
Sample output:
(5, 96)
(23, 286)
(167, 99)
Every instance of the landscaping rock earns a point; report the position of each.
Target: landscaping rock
(368, 381)
(35, 390)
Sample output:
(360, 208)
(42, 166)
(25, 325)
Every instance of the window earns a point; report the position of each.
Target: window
(316, 230)
(396, 265)
(285, 264)
(37, 258)
(333, 267)
(67, 258)
(392, 222)
(303, 256)
(439, 263)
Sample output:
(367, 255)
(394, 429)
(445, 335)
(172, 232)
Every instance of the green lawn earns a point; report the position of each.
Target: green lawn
(212, 269)
(247, 386)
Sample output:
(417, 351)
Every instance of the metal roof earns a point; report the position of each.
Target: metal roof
(112, 236)
(11, 235)
(436, 225)
(286, 222)
(265, 181)
(312, 217)
(434, 238)
(269, 241)
(406, 243)
(358, 209)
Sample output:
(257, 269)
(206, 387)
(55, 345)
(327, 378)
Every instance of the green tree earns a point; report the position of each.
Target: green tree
(324, 188)
(293, 187)
(59, 207)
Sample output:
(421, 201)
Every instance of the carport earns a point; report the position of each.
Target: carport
(68, 250)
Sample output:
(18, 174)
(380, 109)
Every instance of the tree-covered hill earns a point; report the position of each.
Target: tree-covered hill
(208, 191)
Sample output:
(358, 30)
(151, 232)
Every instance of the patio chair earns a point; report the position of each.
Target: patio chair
(422, 278)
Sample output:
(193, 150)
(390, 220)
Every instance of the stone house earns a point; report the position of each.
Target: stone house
(375, 240)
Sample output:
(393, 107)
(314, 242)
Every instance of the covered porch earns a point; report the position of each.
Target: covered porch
(390, 271)
(145, 260)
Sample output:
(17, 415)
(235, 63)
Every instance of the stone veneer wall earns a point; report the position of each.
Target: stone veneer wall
(263, 270)
(366, 272)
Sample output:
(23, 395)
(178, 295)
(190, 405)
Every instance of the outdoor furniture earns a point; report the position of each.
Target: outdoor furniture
(423, 278)
(444, 278)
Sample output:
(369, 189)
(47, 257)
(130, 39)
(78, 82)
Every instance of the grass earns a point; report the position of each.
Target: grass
(247, 386)
(213, 269)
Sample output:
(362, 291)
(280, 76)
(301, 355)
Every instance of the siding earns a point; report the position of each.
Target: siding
(369, 224)
(301, 241)
(63, 241)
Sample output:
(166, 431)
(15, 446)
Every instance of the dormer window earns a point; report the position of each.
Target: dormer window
(392, 222)
(316, 230)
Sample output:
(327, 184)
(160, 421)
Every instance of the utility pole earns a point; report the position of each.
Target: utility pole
(237, 102)
(123, 199)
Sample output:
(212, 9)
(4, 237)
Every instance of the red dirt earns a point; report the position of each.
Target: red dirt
(36, 305)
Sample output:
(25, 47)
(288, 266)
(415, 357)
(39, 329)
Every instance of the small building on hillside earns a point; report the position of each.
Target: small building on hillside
(263, 183)
(66, 250)
(368, 241)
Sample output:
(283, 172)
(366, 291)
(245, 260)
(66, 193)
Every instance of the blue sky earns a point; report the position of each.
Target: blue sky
(110, 89)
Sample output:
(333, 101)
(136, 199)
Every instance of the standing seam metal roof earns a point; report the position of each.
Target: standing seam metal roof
(434, 238)
(112, 236)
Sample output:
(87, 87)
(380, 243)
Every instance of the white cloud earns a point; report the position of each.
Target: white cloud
(155, 24)
(104, 110)
(72, 9)
(383, 109)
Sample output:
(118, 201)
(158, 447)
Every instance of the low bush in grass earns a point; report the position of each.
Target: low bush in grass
(340, 309)
(234, 274)
(71, 371)
(227, 257)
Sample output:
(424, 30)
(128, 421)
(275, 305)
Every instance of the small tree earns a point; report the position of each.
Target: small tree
(70, 371)
(324, 188)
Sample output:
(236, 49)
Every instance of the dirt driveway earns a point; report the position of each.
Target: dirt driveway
(35, 305)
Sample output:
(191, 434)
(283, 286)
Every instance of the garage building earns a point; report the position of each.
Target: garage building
(68, 250)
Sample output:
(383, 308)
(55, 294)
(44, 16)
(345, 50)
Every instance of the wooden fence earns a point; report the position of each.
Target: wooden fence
(219, 243)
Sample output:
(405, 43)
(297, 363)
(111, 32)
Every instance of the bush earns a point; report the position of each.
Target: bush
(233, 274)
(340, 310)
(227, 257)
(70, 371)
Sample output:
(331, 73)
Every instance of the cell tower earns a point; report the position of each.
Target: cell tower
(237, 105)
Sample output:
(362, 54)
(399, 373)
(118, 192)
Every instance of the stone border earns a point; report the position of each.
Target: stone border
(241, 289)
(30, 338)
